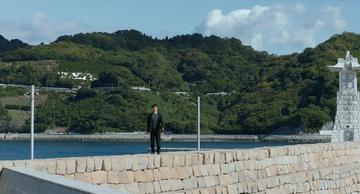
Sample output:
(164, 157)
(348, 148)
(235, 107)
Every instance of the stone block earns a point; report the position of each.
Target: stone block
(141, 188)
(225, 179)
(126, 177)
(83, 177)
(143, 163)
(149, 175)
(135, 163)
(176, 185)
(239, 166)
(113, 177)
(278, 151)
(227, 168)
(165, 185)
(234, 177)
(229, 157)
(241, 176)
(70, 166)
(250, 175)
(259, 154)
(165, 173)
(156, 186)
(106, 164)
(51, 166)
(132, 187)
(220, 190)
(240, 187)
(98, 163)
(201, 182)
(188, 159)
(116, 164)
(80, 165)
(242, 155)
(140, 176)
(232, 189)
(157, 175)
(272, 182)
(157, 160)
(211, 181)
(203, 170)
(213, 169)
(60, 167)
(125, 163)
(149, 187)
(166, 160)
(190, 183)
(196, 170)
(90, 164)
(208, 157)
(150, 162)
(182, 172)
(196, 159)
(179, 160)
(99, 177)
(209, 190)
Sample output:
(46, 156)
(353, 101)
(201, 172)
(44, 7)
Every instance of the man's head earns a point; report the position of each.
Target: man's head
(154, 108)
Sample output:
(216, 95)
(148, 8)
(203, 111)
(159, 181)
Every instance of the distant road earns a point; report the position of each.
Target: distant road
(59, 89)
(43, 88)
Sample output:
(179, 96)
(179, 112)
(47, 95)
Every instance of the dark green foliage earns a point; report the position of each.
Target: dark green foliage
(265, 92)
(6, 45)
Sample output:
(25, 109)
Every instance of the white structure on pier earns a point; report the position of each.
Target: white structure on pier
(347, 121)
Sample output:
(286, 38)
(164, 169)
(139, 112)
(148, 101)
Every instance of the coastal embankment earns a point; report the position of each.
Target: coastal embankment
(305, 138)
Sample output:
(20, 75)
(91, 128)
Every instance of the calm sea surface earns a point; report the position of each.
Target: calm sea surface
(14, 150)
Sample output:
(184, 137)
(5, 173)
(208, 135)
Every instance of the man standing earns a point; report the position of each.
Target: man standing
(155, 126)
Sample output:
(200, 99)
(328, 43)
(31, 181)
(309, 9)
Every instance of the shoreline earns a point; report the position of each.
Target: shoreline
(126, 137)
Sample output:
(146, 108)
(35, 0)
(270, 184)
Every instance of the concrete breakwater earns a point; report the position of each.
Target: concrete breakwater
(311, 138)
(309, 168)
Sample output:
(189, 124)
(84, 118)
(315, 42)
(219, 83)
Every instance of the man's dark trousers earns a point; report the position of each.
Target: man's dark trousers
(155, 136)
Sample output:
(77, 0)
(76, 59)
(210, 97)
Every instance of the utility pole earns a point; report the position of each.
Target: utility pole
(198, 122)
(32, 122)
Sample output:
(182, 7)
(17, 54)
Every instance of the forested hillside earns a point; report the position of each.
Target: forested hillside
(264, 92)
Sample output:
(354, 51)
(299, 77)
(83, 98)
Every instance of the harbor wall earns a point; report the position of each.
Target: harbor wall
(141, 136)
(326, 167)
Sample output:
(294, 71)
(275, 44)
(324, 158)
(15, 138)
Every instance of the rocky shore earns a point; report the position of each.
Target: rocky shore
(306, 138)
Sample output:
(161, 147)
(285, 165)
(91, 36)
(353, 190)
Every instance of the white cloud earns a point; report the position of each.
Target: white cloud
(334, 14)
(38, 29)
(277, 28)
(300, 8)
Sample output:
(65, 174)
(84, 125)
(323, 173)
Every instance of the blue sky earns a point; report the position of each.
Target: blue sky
(279, 27)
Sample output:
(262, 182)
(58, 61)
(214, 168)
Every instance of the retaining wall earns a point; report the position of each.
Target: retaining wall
(327, 167)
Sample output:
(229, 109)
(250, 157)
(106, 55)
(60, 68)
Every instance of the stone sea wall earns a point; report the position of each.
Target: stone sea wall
(309, 168)
(305, 138)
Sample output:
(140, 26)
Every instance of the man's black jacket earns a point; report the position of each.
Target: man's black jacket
(159, 124)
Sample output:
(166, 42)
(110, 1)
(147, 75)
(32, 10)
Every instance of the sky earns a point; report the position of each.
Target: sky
(279, 27)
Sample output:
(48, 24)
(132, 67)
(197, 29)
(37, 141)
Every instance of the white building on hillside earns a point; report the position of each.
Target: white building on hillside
(141, 88)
